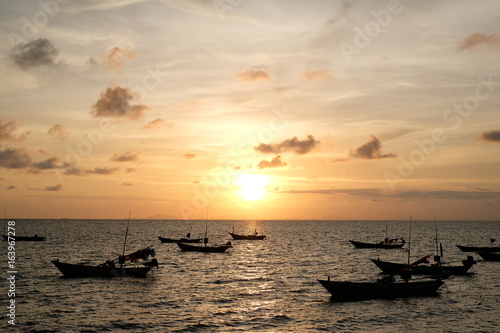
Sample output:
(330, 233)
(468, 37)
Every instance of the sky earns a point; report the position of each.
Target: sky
(239, 109)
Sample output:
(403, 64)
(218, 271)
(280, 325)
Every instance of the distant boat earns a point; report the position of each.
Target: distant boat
(382, 288)
(184, 240)
(387, 243)
(418, 268)
(490, 248)
(254, 236)
(110, 268)
(489, 256)
(35, 238)
(205, 248)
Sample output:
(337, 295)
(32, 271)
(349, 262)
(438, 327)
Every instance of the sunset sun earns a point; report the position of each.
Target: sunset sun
(252, 187)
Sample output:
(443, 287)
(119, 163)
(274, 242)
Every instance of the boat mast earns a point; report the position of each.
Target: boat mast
(409, 243)
(438, 257)
(126, 234)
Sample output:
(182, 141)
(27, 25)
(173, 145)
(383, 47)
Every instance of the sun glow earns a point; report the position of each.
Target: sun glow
(252, 187)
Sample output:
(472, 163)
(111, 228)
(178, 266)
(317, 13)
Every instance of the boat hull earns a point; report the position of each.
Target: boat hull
(396, 268)
(250, 237)
(208, 249)
(362, 290)
(489, 256)
(479, 248)
(74, 270)
(183, 240)
(362, 245)
(24, 238)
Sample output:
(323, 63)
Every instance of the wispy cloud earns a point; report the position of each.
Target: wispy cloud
(295, 145)
(318, 75)
(58, 132)
(116, 57)
(477, 40)
(7, 129)
(102, 171)
(35, 53)
(252, 75)
(116, 102)
(490, 136)
(189, 156)
(54, 188)
(157, 123)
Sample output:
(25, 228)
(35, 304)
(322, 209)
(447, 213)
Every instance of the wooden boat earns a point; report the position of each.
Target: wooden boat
(254, 236)
(382, 288)
(489, 256)
(35, 238)
(205, 248)
(184, 240)
(479, 248)
(75, 270)
(416, 268)
(394, 243)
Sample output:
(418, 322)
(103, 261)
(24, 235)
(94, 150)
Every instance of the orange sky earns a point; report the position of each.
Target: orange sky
(259, 109)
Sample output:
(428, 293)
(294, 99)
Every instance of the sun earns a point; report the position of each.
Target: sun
(252, 187)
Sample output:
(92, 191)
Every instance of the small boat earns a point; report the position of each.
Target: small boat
(382, 288)
(416, 268)
(35, 238)
(254, 236)
(479, 248)
(104, 270)
(183, 239)
(387, 243)
(205, 248)
(490, 256)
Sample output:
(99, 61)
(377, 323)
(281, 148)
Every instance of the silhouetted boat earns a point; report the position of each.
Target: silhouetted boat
(184, 240)
(75, 270)
(25, 238)
(479, 248)
(205, 248)
(382, 288)
(393, 243)
(417, 268)
(254, 236)
(490, 256)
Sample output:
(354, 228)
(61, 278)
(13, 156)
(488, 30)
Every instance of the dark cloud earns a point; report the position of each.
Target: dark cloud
(371, 150)
(115, 58)
(7, 129)
(49, 163)
(128, 156)
(35, 53)
(58, 132)
(73, 171)
(189, 156)
(14, 158)
(478, 40)
(116, 102)
(490, 136)
(276, 162)
(11, 187)
(101, 171)
(54, 188)
(294, 144)
(253, 75)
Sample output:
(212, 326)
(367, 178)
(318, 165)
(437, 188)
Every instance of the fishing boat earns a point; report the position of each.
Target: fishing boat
(387, 243)
(490, 248)
(420, 267)
(490, 256)
(113, 268)
(386, 287)
(205, 248)
(254, 236)
(183, 239)
(35, 238)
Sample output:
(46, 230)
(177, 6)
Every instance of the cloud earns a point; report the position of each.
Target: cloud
(14, 158)
(7, 129)
(490, 136)
(253, 75)
(50, 163)
(115, 58)
(157, 123)
(127, 184)
(115, 102)
(189, 156)
(318, 75)
(371, 150)
(35, 53)
(276, 162)
(54, 188)
(11, 187)
(478, 40)
(128, 156)
(101, 171)
(293, 144)
(58, 132)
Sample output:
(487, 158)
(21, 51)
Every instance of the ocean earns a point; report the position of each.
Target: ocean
(257, 286)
